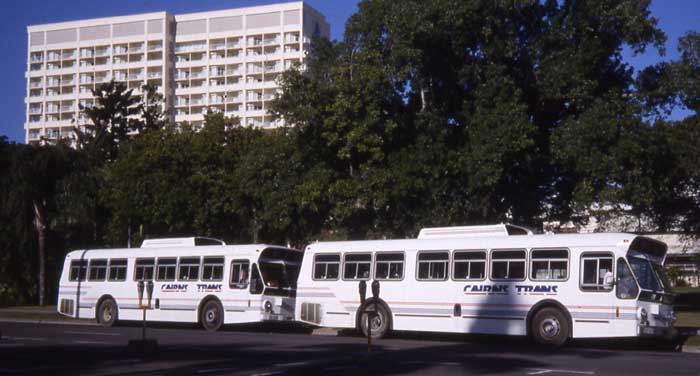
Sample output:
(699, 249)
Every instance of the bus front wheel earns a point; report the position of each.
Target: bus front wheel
(212, 316)
(550, 327)
(379, 322)
(107, 313)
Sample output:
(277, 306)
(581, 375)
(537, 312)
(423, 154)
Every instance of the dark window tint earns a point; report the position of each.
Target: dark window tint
(469, 265)
(626, 286)
(508, 264)
(549, 265)
(240, 274)
(188, 269)
(143, 270)
(357, 266)
(117, 270)
(389, 266)
(433, 265)
(213, 269)
(256, 282)
(326, 266)
(594, 267)
(98, 270)
(166, 269)
(78, 270)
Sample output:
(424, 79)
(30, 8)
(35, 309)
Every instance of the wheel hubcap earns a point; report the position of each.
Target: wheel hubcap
(211, 316)
(107, 314)
(550, 327)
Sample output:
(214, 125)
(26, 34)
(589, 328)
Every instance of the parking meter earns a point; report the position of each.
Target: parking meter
(375, 290)
(363, 291)
(139, 288)
(149, 291)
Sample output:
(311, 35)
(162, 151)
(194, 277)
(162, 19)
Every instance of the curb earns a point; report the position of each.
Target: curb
(49, 322)
(691, 349)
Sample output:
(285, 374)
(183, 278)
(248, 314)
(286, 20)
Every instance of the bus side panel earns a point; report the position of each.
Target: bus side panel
(65, 303)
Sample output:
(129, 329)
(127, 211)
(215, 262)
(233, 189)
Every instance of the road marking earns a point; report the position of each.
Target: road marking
(543, 371)
(26, 338)
(270, 373)
(210, 370)
(449, 364)
(11, 344)
(92, 343)
(92, 333)
(339, 368)
(291, 364)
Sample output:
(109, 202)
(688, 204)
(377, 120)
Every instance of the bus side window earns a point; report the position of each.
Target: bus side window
(239, 274)
(78, 270)
(594, 266)
(357, 266)
(165, 270)
(469, 265)
(508, 264)
(117, 270)
(326, 266)
(97, 270)
(389, 266)
(549, 264)
(213, 268)
(256, 283)
(143, 269)
(189, 269)
(626, 287)
(432, 266)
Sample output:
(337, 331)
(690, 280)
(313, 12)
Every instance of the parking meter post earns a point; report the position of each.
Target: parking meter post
(363, 292)
(149, 291)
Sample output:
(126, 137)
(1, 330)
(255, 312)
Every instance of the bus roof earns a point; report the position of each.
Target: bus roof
(206, 250)
(485, 242)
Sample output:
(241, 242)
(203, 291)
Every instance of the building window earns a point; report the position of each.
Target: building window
(508, 264)
(213, 269)
(432, 266)
(357, 266)
(239, 274)
(549, 265)
(98, 270)
(143, 270)
(389, 266)
(468, 265)
(594, 267)
(326, 267)
(188, 269)
(166, 269)
(117, 270)
(78, 270)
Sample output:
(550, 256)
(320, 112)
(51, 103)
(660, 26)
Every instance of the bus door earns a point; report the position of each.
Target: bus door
(595, 315)
(241, 307)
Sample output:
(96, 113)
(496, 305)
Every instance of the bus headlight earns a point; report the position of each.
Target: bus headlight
(642, 315)
(267, 306)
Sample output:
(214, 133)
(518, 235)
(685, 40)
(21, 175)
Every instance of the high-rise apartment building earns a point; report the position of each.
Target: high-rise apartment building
(223, 61)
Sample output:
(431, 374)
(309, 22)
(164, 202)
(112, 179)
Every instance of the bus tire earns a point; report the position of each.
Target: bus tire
(380, 322)
(550, 327)
(212, 315)
(107, 313)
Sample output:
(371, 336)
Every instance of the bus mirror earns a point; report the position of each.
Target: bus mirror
(375, 289)
(608, 281)
(363, 291)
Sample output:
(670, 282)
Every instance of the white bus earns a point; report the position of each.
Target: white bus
(495, 279)
(193, 282)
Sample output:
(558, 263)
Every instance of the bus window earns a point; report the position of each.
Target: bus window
(78, 270)
(239, 274)
(256, 283)
(549, 265)
(189, 269)
(326, 266)
(626, 284)
(388, 266)
(144, 269)
(432, 266)
(166, 269)
(469, 265)
(508, 264)
(213, 269)
(357, 266)
(97, 270)
(594, 266)
(117, 270)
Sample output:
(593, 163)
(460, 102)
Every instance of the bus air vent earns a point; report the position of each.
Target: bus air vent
(472, 231)
(311, 312)
(66, 307)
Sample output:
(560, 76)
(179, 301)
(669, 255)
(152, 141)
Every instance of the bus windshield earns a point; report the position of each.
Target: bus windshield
(280, 269)
(650, 276)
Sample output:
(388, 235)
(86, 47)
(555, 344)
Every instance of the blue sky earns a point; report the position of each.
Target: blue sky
(675, 18)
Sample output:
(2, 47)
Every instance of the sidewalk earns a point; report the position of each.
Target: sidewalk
(39, 315)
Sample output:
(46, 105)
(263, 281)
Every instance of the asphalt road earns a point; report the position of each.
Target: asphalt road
(263, 350)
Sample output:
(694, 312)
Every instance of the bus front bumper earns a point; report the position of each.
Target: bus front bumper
(668, 332)
(276, 317)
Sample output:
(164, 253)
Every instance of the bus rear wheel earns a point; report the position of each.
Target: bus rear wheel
(379, 322)
(212, 316)
(107, 313)
(550, 327)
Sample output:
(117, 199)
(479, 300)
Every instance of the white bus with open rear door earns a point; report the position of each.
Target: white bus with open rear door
(194, 280)
(495, 279)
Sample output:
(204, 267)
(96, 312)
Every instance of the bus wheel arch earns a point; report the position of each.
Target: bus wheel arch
(210, 313)
(384, 310)
(106, 311)
(552, 307)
